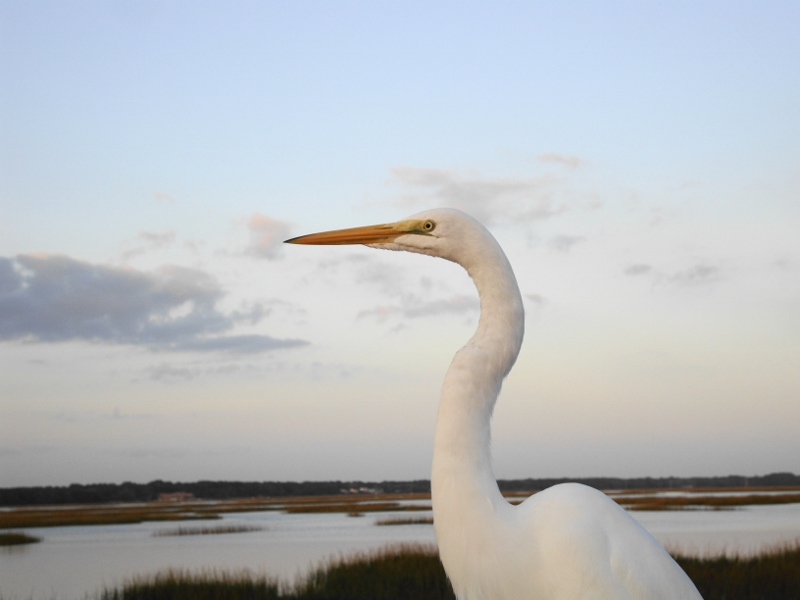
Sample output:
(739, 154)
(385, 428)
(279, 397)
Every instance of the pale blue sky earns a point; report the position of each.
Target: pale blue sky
(638, 161)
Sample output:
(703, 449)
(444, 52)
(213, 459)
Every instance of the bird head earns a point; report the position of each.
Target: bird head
(443, 232)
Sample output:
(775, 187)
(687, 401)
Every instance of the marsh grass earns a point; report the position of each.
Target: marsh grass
(702, 502)
(394, 573)
(355, 508)
(772, 575)
(354, 505)
(179, 531)
(411, 571)
(17, 538)
(402, 521)
(113, 514)
(414, 572)
(54, 517)
(206, 585)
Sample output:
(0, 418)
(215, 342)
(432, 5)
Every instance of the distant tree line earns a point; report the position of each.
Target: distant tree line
(225, 490)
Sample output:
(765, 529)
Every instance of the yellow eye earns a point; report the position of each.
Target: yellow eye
(428, 226)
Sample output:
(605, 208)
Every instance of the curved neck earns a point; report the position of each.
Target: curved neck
(462, 456)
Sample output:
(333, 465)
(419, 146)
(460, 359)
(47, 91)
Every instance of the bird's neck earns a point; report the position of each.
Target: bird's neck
(463, 485)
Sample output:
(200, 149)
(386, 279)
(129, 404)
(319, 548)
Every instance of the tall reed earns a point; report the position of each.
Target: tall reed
(414, 572)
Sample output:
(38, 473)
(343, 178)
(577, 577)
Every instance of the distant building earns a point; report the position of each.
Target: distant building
(361, 490)
(176, 497)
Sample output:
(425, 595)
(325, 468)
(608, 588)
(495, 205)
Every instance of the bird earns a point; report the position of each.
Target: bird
(568, 542)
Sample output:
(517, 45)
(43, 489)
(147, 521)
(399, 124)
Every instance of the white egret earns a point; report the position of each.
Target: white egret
(569, 541)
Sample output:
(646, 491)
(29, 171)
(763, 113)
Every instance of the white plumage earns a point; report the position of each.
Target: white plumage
(568, 542)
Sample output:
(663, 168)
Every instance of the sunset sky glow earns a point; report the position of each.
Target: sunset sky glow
(639, 162)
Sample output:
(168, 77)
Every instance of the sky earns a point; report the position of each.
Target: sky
(638, 161)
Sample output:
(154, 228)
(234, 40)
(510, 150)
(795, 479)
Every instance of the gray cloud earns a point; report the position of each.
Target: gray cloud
(118, 415)
(487, 199)
(564, 243)
(785, 262)
(537, 299)
(162, 197)
(560, 159)
(149, 452)
(147, 241)
(414, 308)
(637, 269)
(266, 236)
(53, 298)
(167, 372)
(698, 274)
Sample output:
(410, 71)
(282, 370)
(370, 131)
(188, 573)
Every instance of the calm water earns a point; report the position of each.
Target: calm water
(71, 562)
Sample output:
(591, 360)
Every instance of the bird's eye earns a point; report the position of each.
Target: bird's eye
(428, 226)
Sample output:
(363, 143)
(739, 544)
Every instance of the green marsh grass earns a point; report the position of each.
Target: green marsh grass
(772, 575)
(207, 585)
(402, 521)
(17, 538)
(394, 573)
(414, 572)
(355, 508)
(706, 502)
(179, 531)
(354, 505)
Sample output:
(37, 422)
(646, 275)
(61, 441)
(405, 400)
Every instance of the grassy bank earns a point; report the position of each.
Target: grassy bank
(698, 502)
(415, 572)
(773, 575)
(16, 538)
(400, 572)
(402, 521)
(113, 514)
(181, 531)
(354, 505)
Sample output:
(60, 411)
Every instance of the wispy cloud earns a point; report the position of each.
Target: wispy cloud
(487, 199)
(697, 274)
(537, 299)
(564, 243)
(147, 241)
(167, 372)
(266, 236)
(53, 298)
(162, 197)
(637, 269)
(571, 162)
(415, 308)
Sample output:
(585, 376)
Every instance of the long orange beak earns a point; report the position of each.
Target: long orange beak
(371, 234)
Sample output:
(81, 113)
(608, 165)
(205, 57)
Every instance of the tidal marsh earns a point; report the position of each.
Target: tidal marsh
(222, 529)
(17, 538)
(402, 521)
(415, 572)
(355, 505)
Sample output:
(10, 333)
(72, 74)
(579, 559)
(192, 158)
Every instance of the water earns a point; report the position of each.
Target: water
(72, 562)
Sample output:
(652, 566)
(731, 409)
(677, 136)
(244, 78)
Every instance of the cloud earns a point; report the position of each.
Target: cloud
(415, 309)
(698, 274)
(162, 197)
(537, 299)
(560, 159)
(54, 298)
(638, 269)
(564, 243)
(266, 236)
(167, 372)
(147, 241)
(118, 415)
(487, 199)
